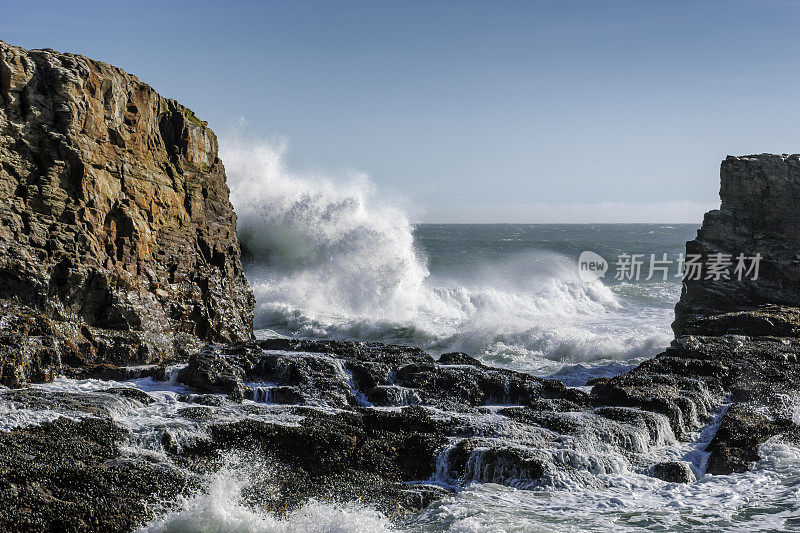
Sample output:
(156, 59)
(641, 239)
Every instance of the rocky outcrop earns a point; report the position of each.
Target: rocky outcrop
(117, 237)
(758, 215)
(736, 331)
(752, 382)
(344, 374)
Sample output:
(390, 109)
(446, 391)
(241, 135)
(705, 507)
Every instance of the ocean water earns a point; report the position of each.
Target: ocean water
(337, 260)
(507, 294)
(333, 257)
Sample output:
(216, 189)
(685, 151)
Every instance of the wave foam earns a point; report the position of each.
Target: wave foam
(334, 259)
(222, 508)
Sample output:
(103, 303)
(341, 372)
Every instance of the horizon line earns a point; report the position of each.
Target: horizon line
(426, 223)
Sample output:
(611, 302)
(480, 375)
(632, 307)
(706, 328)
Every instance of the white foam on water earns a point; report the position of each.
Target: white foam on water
(333, 258)
(221, 507)
(147, 424)
(767, 498)
(16, 417)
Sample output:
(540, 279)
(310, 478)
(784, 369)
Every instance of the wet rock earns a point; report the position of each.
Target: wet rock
(470, 460)
(360, 351)
(458, 358)
(72, 404)
(70, 476)
(29, 350)
(392, 396)
(697, 374)
(132, 393)
(742, 430)
(211, 400)
(465, 385)
(674, 472)
(109, 372)
(279, 394)
(196, 413)
(352, 374)
(210, 372)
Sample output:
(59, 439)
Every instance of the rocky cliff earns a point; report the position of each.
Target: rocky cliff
(737, 330)
(759, 214)
(117, 237)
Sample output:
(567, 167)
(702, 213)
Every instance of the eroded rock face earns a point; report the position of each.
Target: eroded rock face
(758, 214)
(115, 221)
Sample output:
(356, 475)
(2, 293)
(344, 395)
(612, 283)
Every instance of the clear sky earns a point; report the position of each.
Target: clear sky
(475, 111)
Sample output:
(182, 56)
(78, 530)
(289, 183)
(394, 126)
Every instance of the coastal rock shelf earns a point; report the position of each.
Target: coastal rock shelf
(339, 421)
(387, 425)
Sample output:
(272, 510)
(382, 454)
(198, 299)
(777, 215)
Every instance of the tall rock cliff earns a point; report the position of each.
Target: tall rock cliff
(117, 237)
(759, 214)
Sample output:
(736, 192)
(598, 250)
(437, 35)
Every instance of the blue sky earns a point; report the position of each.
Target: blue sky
(474, 111)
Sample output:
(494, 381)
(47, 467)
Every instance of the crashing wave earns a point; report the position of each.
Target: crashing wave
(332, 258)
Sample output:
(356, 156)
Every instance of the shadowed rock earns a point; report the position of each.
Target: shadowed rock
(674, 472)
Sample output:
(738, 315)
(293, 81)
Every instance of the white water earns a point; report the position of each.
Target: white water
(767, 498)
(220, 509)
(332, 258)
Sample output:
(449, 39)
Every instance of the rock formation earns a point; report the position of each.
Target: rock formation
(759, 215)
(117, 238)
(737, 333)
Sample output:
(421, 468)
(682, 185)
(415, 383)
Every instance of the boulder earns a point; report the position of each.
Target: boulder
(674, 472)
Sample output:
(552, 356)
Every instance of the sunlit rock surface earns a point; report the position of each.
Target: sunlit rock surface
(117, 238)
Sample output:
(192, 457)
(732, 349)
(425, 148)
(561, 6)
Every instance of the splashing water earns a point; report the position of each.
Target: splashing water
(221, 508)
(332, 258)
(320, 244)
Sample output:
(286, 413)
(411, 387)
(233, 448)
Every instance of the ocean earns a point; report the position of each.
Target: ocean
(509, 294)
(337, 259)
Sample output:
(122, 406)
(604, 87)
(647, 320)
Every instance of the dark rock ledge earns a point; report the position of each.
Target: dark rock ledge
(387, 425)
